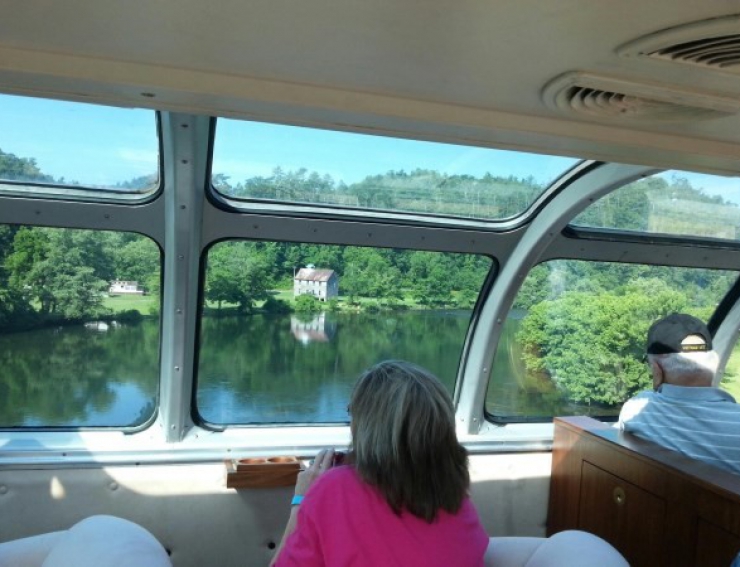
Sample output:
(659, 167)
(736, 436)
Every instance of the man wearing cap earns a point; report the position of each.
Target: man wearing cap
(685, 413)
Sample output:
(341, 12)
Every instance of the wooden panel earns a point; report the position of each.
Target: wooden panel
(565, 484)
(610, 508)
(262, 472)
(716, 547)
(699, 525)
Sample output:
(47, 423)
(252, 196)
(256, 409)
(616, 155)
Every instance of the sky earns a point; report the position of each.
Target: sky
(247, 149)
(91, 144)
(102, 146)
(727, 187)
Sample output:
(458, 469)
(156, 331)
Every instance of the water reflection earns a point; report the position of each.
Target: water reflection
(316, 329)
(256, 370)
(75, 376)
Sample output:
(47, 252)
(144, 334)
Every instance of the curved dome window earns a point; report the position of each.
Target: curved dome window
(574, 340)
(672, 203)
(70, 149)
(267, 163)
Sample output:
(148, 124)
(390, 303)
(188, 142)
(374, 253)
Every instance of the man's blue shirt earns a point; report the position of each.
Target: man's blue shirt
(701, 423)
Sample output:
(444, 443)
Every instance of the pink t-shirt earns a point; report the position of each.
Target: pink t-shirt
(345, 522)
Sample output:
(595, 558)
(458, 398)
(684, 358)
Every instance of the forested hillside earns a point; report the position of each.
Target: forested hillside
(424, 191)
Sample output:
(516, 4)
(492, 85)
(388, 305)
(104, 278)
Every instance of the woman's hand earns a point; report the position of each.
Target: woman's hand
(321, 464)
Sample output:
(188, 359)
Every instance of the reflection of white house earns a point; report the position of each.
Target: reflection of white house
(317, 329)
(322, 284)
(121, 287)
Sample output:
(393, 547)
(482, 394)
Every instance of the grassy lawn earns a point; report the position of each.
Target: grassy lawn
(406, 301)
(282, 294)
(141, 303)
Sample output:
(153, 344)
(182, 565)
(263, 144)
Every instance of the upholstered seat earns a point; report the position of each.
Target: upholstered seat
(569, 548)
(97, 541)
(107, 541)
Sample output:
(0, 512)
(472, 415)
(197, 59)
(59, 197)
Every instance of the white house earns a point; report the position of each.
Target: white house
(323, 284)
(122, 287)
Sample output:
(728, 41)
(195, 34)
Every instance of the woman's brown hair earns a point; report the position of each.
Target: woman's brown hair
(404, 441)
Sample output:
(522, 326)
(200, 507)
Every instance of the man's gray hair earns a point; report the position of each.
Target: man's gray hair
(688, 368)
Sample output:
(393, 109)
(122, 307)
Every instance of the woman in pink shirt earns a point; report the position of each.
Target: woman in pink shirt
(402, 498)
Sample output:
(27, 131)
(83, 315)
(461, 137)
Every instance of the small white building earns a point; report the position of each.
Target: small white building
(322, 284)
(122, 287)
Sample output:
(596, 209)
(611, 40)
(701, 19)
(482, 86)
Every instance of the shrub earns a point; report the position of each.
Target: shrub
(306, 304)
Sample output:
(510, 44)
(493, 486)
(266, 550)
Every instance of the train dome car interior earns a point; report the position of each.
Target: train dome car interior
(213, 216)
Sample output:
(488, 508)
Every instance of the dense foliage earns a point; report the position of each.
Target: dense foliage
(241, 273)
(57, 275)
(591, 343)
(587, 322)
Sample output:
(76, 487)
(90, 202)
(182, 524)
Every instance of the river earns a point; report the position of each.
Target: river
(250, 370)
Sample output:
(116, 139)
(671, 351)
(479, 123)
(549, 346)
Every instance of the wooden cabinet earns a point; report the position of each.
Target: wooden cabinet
(634, 517)
(657, 507)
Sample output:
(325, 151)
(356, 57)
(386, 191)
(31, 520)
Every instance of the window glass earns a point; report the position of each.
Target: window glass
(79, 327)
(731, 376)
(672, 202)
(287, 328)
(49, 143)
(574, 340)
(256, 161)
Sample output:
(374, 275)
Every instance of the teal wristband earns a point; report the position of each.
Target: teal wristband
(297, 499)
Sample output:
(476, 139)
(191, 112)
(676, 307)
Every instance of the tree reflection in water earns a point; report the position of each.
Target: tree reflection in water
(252, 369)
(279, 369)
(77, 376)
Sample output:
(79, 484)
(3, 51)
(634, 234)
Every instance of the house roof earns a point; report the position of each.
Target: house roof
(314, 275)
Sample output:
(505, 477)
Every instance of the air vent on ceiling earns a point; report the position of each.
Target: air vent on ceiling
(712, 44)
(595, 102)
(618, 99)
(721, 52)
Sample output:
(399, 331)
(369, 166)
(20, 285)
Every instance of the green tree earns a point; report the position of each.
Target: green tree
(434, 289)
(591, 344)
(432, 279)
(236, 275)
(14, 168)
(367, 273)
(15, 311)
(64, 271)
(28, 267)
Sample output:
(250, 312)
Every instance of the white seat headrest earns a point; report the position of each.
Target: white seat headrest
(107, 541)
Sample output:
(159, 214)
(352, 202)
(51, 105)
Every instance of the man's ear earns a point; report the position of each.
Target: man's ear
(657, 370)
